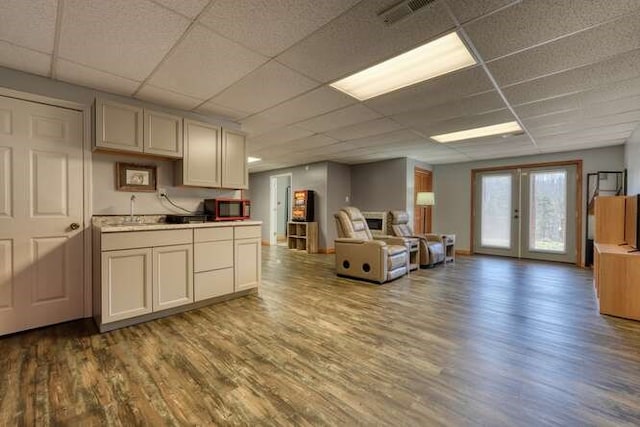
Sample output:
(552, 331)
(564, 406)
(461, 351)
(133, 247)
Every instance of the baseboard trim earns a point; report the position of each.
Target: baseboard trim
(266, 243)
(463, 252)
(326, 250)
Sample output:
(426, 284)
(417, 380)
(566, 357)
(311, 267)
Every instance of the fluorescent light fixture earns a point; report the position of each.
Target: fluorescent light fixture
(253, 159)
(502, 128)
(438, 57)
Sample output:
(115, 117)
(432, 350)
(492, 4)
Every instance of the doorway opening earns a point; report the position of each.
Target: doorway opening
(280, 208)
(528, 211)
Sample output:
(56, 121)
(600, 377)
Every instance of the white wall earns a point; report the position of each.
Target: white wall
(632, 162)
(452, 186)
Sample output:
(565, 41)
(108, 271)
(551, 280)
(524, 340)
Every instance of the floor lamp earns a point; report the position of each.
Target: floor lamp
(425, 199)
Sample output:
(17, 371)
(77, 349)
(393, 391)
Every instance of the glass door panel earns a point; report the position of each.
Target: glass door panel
(495, 214)
(548, 211)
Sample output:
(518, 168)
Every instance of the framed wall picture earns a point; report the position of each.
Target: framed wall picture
(131, 177)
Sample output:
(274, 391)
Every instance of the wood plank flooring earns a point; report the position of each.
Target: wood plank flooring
(487, 341)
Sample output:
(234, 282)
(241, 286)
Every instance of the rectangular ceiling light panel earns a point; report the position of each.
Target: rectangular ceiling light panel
(438, 57)
(499, 129)
(253, 159)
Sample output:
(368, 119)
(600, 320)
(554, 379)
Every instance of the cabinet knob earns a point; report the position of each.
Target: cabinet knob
(74, 226)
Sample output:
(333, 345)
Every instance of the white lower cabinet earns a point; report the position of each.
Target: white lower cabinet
(126, 284)
(172, 276)
(144, 272)
(248, 256)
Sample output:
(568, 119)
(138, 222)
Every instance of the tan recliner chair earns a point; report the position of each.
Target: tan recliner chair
(431, 247)
(359, 255)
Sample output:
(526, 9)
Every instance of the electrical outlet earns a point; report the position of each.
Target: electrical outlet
(162, 192)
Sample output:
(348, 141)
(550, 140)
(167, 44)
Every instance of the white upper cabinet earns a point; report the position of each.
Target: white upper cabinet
(162, 134)
(118, 126)
(202, 157)
(234, 160)
(124, 127)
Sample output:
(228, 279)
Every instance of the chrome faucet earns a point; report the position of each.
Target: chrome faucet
(131, 205)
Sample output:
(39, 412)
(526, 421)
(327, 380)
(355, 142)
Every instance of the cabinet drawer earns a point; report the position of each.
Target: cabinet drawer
(213, 255)
(145, 239)
(247, 232)
(212, 234)
(211, 284)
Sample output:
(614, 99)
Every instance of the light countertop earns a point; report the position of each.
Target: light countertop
(114, 228)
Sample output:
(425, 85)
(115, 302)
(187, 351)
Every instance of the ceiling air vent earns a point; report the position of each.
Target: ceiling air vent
(402, 10)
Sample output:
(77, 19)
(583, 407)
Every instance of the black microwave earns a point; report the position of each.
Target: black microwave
(227, 209)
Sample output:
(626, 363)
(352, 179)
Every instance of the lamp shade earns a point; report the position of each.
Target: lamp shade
(425, 199)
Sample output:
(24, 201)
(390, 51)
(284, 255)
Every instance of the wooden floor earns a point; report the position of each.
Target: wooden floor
(487, 341)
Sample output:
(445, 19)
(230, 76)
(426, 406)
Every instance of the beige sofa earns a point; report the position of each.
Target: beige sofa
(431, 247)
(359, 255)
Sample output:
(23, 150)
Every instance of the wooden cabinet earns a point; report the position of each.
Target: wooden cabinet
(118, 126)
(609, 212)
(124, 127)
(172, 276)
(303, 236)
(234, 160)
(213, 262)
(617, 280)
(248, 257)
(162, 134)
(202, 157)
(126, 284)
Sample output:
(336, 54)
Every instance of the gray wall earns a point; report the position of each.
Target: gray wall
(452, 186)
(338, 195)
(380, 186)
(106, 200)
(632, 162)
(306, 177)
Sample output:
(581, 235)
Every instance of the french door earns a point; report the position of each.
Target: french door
(527, 213)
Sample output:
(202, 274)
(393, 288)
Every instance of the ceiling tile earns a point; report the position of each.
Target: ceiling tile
(620, 67)
(265, 87)
(29, 23)
(24, 59)
(311, 104)
(189, 8)
(361, 130)
(258, 125)
(205, 63)
(211, 107)
(165, 97)
(282, 135)
(537, 21)
(338, 119)
(125, 37)
(472, 105)
(609, 112)
(85, 76)
(466, 10)
(359, 39)
(268, 26)
(580, 49)
(615, 91)
(433, 92)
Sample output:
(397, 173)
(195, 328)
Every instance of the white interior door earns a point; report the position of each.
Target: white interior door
(527, 213)
(41, 215)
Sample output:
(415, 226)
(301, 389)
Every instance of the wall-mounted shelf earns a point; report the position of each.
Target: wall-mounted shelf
(303, 236)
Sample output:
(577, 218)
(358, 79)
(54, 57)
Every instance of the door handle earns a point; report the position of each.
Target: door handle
(74, 226)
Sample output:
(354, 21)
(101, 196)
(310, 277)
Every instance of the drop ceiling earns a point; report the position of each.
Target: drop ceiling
(567, 70)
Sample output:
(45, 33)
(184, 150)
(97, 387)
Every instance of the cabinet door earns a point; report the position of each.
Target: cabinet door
(234, 160)
(200, 166)
(126, 284)
(162, 134)
(172, 276)
(247, 263)
(118, 126)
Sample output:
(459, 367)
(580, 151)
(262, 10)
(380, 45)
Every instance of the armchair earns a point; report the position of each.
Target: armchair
(431, 247)
(359, 255)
